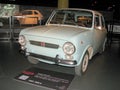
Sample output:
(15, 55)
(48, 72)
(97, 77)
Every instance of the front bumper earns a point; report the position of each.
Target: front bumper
(56, 60)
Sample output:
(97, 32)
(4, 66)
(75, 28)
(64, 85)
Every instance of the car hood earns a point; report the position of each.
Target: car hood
(60, 32)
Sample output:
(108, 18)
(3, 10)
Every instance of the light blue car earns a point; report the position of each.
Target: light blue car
(70, 37)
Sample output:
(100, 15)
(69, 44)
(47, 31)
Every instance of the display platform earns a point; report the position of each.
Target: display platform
(45, 78)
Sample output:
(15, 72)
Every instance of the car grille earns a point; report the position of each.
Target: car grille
(44, 44)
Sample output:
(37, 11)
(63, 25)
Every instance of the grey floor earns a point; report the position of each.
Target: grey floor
(103, 71)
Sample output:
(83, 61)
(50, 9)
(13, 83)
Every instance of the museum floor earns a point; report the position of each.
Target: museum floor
(103, 71)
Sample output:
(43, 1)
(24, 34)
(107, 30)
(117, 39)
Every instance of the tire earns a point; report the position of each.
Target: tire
(81, 69)
(103, 46)
(32, 60)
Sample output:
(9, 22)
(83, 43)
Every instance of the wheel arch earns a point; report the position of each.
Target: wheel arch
(89, 50)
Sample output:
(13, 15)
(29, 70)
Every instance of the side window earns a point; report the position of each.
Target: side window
(97, 21)
(36, 13)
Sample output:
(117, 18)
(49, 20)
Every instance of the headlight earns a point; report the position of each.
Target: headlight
(68, 48)
(22, 40)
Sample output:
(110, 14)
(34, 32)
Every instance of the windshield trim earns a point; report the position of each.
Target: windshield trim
(73, 25)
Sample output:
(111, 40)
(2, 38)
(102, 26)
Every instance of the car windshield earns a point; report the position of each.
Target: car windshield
(73, 17)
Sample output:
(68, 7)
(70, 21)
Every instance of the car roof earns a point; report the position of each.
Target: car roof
(93, 11)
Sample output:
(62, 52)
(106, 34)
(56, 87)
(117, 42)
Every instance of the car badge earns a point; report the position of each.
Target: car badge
(42, 44)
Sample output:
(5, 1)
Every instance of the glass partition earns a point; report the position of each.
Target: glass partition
(14, 18)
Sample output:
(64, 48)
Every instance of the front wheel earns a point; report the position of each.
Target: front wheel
(81, 69)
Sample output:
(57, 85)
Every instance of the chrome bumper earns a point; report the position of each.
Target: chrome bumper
(56, 60)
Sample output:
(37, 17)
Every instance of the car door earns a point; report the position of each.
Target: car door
(99, 31)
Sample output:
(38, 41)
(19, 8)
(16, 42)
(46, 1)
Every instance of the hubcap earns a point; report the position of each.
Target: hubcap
(85, 63)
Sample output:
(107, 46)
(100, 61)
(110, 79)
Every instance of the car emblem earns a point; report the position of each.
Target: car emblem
(42, 44)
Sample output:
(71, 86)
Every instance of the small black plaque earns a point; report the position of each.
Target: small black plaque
(46, 78)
